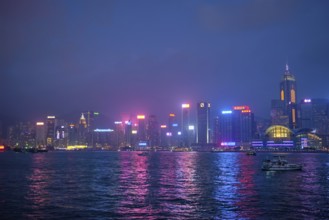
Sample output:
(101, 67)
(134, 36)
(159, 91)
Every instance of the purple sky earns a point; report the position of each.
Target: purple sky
(127, 57)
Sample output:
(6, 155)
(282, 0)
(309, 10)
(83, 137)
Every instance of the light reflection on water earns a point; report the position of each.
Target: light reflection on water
(187, 185)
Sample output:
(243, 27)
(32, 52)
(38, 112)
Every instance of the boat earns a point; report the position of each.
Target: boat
(251, 153)
(144, 153)
(278, 163)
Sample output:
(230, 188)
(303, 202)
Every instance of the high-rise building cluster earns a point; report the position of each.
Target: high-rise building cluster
(302, 125)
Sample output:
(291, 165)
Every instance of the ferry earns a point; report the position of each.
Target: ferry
(279, 164)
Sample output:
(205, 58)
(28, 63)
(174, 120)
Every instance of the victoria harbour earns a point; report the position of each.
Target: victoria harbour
(162, 185)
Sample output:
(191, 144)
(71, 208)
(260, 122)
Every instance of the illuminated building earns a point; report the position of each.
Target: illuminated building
(128, 134)
(314, 114)
(164, 142)
(119, 134)
(185, 125)
(40, 134)
(82, 130)
(153, 131)
(173, 128)
(237, 126)
(141, 132)
(203, 123)
(51, 123)
(90, 117)
(288, 95)
(72, 135)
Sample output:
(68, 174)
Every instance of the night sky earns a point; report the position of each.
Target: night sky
(128, 57)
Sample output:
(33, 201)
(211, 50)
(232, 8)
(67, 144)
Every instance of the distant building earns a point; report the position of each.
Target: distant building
(236, 127)
(153, 131)
(51, 124)
(40, 134)
(185, 125)
(288, 95)
(203, 123)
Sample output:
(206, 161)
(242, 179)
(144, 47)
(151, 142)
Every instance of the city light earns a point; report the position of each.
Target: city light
(118, 122)
(169, 134)
(50, 117)
(226, 112)
(227, 144)
(76, 147)
(103, 130)
(134, 131)
(140, 116)
(185, 105)
(246, 111)
(163, 126)
(175, 125)
(307, 100)
(191, 127)
(241, 107)
(40, 123)
(179, 133)
(171, 115)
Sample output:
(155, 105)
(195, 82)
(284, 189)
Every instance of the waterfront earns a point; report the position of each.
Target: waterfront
(162, 185)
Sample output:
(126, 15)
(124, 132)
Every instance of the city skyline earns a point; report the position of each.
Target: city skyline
(148, 57)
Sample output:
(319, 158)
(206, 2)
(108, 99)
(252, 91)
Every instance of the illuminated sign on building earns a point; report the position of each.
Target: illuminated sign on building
(40, 123)
(307, 100)
(134, 131)
(171, 115)
(242, 107)
(226, 112)
(227, 144)
(118, 122)
(50, 117)
(175, 125)
(246, 111)
(169, 134)
(185, 105)
(163, 126)
(140, 116)
(103, 130)
(191, 127)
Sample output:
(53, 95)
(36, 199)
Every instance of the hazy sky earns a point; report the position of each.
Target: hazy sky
(126, 57)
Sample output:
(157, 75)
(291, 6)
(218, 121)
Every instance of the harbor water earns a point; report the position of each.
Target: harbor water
(161, 185)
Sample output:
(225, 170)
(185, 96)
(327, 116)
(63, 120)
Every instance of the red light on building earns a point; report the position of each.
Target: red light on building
(241, 107)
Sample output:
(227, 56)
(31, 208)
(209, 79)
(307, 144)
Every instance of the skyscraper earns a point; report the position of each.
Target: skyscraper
(51, 123)
(288, 97)
(203, 121)
(185, 124)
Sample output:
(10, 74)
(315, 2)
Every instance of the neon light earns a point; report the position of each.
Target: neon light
(175, 125)
(128, 122)
(179, 133)
(241, 107)
(307, 100)
(103, 130)
(246, 111)
(191, 127)
(227, 144)
(226, 112)
(163, 126)
(185, 105)
(2, 147)
(96, 113)
(76, 147)
(50, 117)
(169, 134)
(140, 116)
(142, 144)
(40, 123)
(134, 131)
(118, 122)
(171, 115)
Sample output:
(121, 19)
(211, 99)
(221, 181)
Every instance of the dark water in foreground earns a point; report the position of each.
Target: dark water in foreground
(163, 185)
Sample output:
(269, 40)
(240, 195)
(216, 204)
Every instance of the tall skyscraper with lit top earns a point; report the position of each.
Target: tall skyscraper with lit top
(203, 123)
(288, 97)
